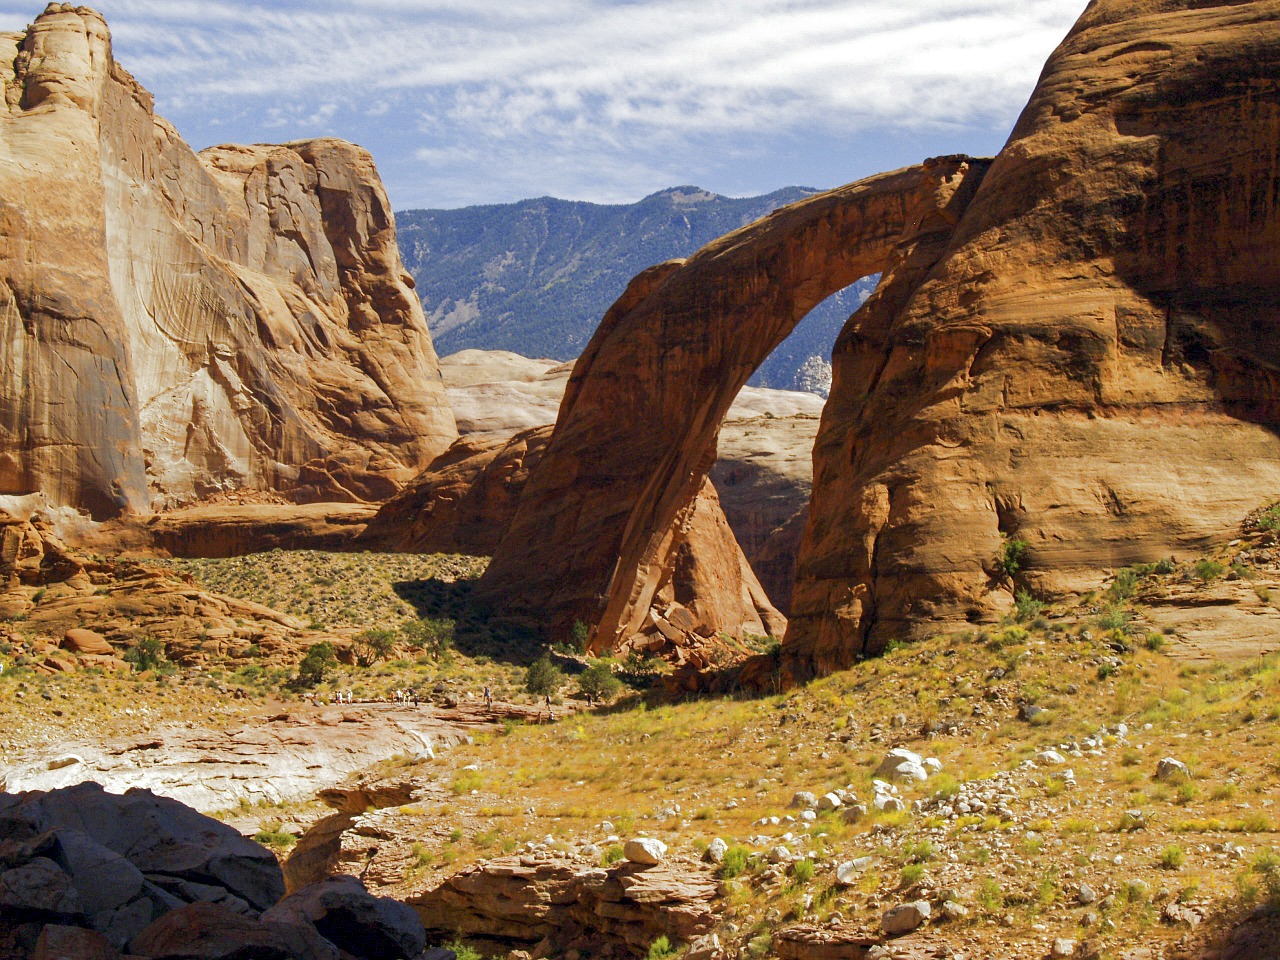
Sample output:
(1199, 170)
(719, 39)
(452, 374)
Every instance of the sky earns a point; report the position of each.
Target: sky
(467, 102)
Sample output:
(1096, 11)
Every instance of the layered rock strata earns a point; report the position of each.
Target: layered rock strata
(1069, 364)
(1087, 365)
(605, 514)
(565, 904)
(173, 324)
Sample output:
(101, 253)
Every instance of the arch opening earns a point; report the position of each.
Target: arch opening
(620, 506)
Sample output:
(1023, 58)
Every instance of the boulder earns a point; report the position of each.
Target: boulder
(803, 800)
(1169, 769)
(81, 640)
(208, 931)
(347, 915)
(645, 851)
(848, 872)
(888, 767)
(72, 943)
(715, 851)
(905, 917)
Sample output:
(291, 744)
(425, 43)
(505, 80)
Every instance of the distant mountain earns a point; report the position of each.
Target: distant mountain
(535, 277)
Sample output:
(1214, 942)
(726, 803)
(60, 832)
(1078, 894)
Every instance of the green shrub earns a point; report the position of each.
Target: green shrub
(1155, 642)
(1172, 857)
(1208, 570)
(313, 668)
(1164, 567)
(598, 681)
(372, 646)
(146, 654)
(612, 854)
(543, 677)
(1267, 866)
(803, 871)
(660, 949)
(1026, 607)
(463, 952)
(735, 862)
(1012, 557)
(1269, 519)
(1125, 582)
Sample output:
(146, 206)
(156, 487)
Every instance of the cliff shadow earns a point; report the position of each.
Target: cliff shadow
(476, 631)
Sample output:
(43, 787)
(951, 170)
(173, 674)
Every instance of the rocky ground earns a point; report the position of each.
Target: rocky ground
(1100, 778)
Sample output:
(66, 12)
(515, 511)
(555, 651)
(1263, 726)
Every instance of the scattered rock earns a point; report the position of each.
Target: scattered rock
(715, 851)
(905, 917)
(847, 873)
(1170, 769)
(1063, 947)
(645, 851)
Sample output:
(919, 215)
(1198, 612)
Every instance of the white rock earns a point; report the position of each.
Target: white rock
(888, 803)
(894, 758)
(808, 816)
(905, 917)
(932, 764)
(954, 911)
(779, 854)
(848, 872)
(704, 948)
(1052, 757)
(828, 801)
(803, 800)
(716, 850)
(1171, 769)
(645, 851)
(66, 760)
(1064, 947)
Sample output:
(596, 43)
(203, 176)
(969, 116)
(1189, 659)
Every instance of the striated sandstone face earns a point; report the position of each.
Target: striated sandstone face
(173, 324)
(1076, 348)
(1088, 364)
(605, 514)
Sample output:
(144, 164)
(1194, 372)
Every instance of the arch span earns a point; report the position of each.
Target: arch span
(608, 509)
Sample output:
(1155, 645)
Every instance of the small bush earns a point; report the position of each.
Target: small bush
(735, 862)
(612, 854)
(1012, 557)
(463, 952)
(1269, 519)
(598, 681)
(1125, 582)
(1172, 857)
(1026, 607)
(989, 896)
(660, 949)
(1267, 866)
(1164, 567)
(912, 874)
(275, 838)
(315, 666)
(1207, 570)
(543, 677)
(146, 654)
(803, 871)
(1155, 642)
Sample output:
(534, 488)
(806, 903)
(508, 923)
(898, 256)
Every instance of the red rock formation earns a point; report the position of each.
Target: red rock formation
(1081, 357)
(1088, 365)
(174, 325)
(604, 515)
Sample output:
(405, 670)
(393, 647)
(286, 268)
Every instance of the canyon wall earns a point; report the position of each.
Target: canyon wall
(1074, 351)
(175, 324)
(1088, 366)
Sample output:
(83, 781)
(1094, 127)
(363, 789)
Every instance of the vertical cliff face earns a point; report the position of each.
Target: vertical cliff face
(1075, 348)
(1089, 365)
(175, 324)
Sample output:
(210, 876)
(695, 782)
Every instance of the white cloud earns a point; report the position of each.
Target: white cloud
(606, 88)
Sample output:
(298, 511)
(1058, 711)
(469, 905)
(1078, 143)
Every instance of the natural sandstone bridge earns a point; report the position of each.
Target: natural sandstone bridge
(607, 509)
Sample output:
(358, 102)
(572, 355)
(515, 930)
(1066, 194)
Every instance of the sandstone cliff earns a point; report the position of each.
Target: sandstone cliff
(175, 324)
(1074, 347)
(1088, 365)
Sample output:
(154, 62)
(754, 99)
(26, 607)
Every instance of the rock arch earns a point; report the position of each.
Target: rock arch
(616, 497)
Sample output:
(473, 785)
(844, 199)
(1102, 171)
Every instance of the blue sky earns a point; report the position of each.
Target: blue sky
(489, 101)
